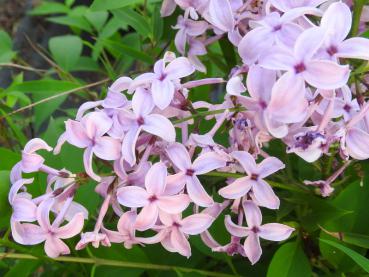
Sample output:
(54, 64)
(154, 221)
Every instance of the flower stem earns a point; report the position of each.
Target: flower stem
(106, 262)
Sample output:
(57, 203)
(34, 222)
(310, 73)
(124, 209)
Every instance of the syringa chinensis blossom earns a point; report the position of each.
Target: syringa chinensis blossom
(293, 86)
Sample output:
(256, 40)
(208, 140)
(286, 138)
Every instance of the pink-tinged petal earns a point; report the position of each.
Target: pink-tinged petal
(252, 214)
(61, 140)
(237, 189)
(337, 21)
(174, 204)
(129, 145)
(221, 14)
(36, 144)
(119, 85)
(252, 248)
(162, 93)
(180, 41)
(277, 58)
(96, 124)
(126, 223)
(27, 233)
(167, 244)
(290, 89)
(154, 239)
(207, 162)
(107, 148)
(87, 162)
(167, 8)
(179, 156)
(265, 195)
(16, 173)
(196, 223)
(357, 142)
(43, 212)
(354, 48)
(142, 102)
(55, 247)
(75, 134)
(326, 74)
(113, 236)
(31, 162)
(235, 86)
(23, 209)
(246, 160)
(288, 34)
(175, 183)
(179, 68)
(71, 229)
(269, 166)
(155, 179)
(85, 107)
(147, 217)
(169, 219)
(141, 80)
(180, 243)
(260, 82)
(308, 43)
(275, 231)
(160, 126)
(14, 189)
(234, 229)
(195, 28)
(197, 193)
(132, 196)
(74, 209)
(254, 43)
(275, 128)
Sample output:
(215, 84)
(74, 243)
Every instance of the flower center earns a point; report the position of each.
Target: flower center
(347, 108)
(332, 50)
(140, 121)
(254, 177)
(190, 172)
(300, 68)
(153, 198)
(255, 229)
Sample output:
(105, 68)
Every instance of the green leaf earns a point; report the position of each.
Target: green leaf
(49, 8)
(6, 52)
(41, 89)
(359, 259)
(289, 261)
(23, 268)
(66, 50)
(127, 50)
(97, 19)
(135, 20)
(9, 159)
(72, 21)
(157, 24)
(103, 5)
(4, 190)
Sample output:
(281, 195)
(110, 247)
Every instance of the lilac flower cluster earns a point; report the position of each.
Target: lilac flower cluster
(297, 91)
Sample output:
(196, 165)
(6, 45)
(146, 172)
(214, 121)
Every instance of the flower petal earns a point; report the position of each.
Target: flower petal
(179, 156)
(76, 134)
(162, 93)
(196, 223)
(354, 48)
(160, 126)
(179, 68)
(55, 247)
(270, 165)
(71, 229)
(132, 196)
(174, 204)
(221, 15)
(337, 21)
(27, 233)
(357, 142)
(246, 160)
(87, 162)
(252, 248)
(197, 193)
(147, 217)
(155, 179)
(265, 195)
(234, 229)
(96, 124)
(142, 102)
(180, 243)
(275, 231)
(107, 148)
(252, 214)
(129, 145)
(237, 188)
(207, 162)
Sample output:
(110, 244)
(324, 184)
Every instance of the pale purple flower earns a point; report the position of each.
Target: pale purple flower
(286, 5)
(165, 78)
(301, 65)
(221, 15)
(52, 234)
(188, 171)
(178, 230)
(187, 28)
(336, 22)
(141, 119)
(153, 199)
(24, 209)
(254, 180)
(126, 233)
(254, 231)
(89, 134)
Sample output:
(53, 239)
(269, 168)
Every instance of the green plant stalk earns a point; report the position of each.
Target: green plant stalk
(358, 8)
(106, 262)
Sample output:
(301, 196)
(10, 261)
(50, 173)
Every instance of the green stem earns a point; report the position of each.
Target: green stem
(106, 262)
(213, 112)
(358, 8)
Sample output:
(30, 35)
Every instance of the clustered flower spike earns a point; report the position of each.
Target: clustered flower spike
(296, 90)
